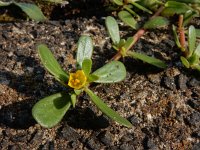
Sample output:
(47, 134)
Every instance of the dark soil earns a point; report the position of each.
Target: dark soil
(162, 105)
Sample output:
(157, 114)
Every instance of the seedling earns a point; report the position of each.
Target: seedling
(127, 13)
(123, 46)
(31, 10)
(50, 110)
(191, 52)
(189, 8)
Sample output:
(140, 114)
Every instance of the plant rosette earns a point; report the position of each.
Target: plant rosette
(50, 110)
(123, 46)
(191, 51)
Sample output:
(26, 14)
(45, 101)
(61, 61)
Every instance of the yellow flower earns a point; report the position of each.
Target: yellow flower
(77, 80)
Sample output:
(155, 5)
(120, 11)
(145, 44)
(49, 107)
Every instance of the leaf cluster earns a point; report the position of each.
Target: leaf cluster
(191, 51)
(123, 46)
(127, 13)
(50, 110)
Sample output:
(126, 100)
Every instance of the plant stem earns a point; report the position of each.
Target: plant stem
(137, 35)
(182, 34)
(116, 56)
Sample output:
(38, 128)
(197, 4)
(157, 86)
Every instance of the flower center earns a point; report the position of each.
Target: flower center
(77, 80)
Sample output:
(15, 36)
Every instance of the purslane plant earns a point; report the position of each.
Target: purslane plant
(123, 46)
(50, 110)
(189, 8)
(191, 51)
(127, 11)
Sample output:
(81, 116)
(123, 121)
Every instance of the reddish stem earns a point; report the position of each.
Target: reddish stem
(116, 56)
(157, 13)
(181, 32)
(137, 35)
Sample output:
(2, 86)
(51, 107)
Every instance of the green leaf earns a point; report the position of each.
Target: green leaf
(106, 110)
(151, 60)
(140, 6)
(113, 29)
(191, 39)
(129, 43)
(173, 7)
(121, 43)
(128, 19)
(50, 110)
(197, 67)
(73, 100)
(151, 4)
(32, 11)
(57, 1)
(78, 92)
(51, 64)
(118, 2)
(197, 50)
(87, 66)
(188, 1)
(185, 62)
(188, 16)
(5, 3)
(176, 36)
(111, 72)
(85, 49)
(92, 78)
(156, 22)
(193, 60)
(129, 9)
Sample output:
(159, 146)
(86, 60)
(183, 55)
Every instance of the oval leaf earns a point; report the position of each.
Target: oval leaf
(156, 22)
(87, 66)
(50, 110)
(176, 36)
(113, 29)
(32, 11)
(51, 64)
(85, 49)
(92, 78)
(111, 72)
(73, 100)
(128, 19)
(191, 39)
(129, 43)
(140, 6)
(151, 60)
(185, 62)
(188, 17)
(173, 7)
(193, 60)
(118, 2)
(106, 110)
(128, 8)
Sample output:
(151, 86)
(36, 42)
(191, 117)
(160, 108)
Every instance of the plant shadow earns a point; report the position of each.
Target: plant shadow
(79, 8)
(34, 86)
(85, 118)
(17, 115)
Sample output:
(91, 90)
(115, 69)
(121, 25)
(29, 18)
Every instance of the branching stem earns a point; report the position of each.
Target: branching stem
(182, 34)
(137, 35)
